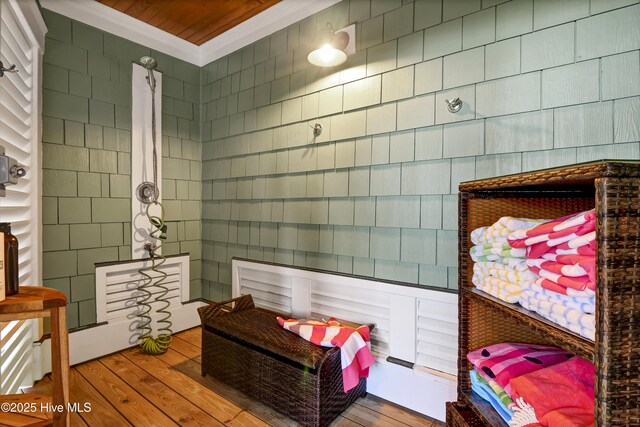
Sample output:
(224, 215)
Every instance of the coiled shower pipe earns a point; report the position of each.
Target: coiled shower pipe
(154, 277)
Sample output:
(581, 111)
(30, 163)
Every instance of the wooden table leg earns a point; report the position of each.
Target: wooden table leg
(60, 365)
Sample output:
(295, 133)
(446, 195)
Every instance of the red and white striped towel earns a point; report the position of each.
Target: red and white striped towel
(570, 265)
(354, 345)
(557, 273)
(563, 290)
(573, 230)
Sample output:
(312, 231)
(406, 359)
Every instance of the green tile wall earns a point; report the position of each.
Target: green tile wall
(543, 84)
(86, 162)
(375, 193)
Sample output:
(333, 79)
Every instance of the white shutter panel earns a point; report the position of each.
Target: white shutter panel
(20, 136)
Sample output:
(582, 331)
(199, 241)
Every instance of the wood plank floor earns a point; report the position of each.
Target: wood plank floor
(132, 388)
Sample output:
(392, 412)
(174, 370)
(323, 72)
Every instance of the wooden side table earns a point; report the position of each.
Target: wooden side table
(34, 302)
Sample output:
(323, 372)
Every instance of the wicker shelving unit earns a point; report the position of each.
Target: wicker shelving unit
(613, 189)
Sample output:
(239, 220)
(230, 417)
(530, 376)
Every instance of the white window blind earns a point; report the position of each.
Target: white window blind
(21, 43)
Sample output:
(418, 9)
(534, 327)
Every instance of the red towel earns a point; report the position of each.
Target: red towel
(354, 345)
(577, 228)
(561, 395)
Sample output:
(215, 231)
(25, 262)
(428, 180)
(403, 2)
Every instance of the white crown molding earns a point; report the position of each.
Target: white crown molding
(112, 21)
(277, 17)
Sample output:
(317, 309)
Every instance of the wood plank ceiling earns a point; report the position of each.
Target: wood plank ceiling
(196, 21)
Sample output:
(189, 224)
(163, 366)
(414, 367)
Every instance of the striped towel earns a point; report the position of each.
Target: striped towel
(574, 277)
(571, 265)
(501, 362)
(574, 320)
(501, 249)
(540, 239)
(501, 229)
(555, 287)
(492, 393)
(501, 289)
(504, 271)
(584, 304)
(354, 345)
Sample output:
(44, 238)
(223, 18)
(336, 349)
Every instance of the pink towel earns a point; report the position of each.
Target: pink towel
(574, 277)
(575, 228)
(502, 362)
(568, 265)
(354, 345)
(561, 395)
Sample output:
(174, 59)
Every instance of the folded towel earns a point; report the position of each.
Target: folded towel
(583, 304)
(540, 239)
(571, 265)
(560, 395)
(577, 321)
(504, 361)
(503, 290)
(500, 230)
(563, 290)
(576, 246)
(505, 272)
(499, 402)
(354, 345)
(543, 268)
(501, 249)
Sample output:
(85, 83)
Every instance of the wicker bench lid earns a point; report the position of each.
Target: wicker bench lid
(259, 328)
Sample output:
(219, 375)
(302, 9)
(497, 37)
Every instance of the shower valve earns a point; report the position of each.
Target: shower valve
(147, 192)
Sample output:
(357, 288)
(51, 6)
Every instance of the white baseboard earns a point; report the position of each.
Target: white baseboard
(417, 390)
(92, 343)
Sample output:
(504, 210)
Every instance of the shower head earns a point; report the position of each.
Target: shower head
(148, 62)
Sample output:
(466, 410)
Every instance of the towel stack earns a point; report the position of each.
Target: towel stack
(497, 364)
(562, 253)
(530, 385)
(500, 269)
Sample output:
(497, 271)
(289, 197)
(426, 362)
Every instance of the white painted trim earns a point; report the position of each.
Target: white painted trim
(30, 20)
(102, 273)
(364, 284)
(95, 342)
(402, 331)
(415, 389)
(115, 335)
(34, 21)
(142, 155)
(112, 21)
(275, 18)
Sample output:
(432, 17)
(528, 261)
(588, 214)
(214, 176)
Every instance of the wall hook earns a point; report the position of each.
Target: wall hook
(453, 105)
(11, 69)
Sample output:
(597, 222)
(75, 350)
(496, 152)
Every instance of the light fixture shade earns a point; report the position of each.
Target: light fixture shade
(327, 56)
(335, 46)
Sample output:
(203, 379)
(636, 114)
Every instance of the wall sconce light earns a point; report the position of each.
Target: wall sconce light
(335, 46)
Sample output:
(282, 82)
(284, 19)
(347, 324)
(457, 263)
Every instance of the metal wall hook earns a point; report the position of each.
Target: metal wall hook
(11, 69)
(453, 105)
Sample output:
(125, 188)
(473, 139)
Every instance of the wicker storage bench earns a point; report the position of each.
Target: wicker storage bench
(246, 348)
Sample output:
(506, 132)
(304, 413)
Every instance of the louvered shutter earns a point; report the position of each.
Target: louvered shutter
(20, 135)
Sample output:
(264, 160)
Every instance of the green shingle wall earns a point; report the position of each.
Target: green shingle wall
(543, 84)
(87, 158)
(375, 193)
